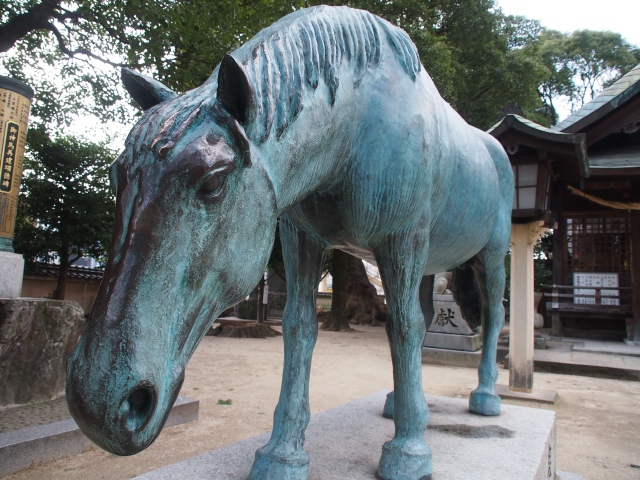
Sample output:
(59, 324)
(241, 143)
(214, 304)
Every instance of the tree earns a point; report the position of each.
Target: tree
(469, 51)
(578, 66)
(70, 52)
(353, 297)
(337, 320)
(61, 49)
(66, 208)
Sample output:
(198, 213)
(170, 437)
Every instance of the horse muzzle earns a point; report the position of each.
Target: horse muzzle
(121, 414)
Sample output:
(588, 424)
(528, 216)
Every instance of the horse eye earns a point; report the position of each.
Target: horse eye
(213, 186)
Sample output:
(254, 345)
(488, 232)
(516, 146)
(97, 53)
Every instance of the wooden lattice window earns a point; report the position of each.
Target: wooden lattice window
(599, 244)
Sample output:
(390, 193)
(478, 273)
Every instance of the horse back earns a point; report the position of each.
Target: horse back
(414, 165)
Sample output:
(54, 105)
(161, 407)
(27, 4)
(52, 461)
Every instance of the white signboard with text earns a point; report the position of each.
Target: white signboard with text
(607, 282)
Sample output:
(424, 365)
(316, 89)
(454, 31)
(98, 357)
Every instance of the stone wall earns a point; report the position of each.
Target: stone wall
(81, 290)
(36, 337)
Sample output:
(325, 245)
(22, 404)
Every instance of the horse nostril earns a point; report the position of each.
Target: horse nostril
(141, 404)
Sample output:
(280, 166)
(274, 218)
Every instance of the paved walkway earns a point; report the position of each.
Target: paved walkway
(33, 414)
(604, 358)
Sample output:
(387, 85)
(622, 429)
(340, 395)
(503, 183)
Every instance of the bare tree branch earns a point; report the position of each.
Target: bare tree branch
(82, 51)
(36, 18)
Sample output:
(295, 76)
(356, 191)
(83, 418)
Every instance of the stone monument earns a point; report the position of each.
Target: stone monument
(36, 337)
(15, 101)
(327, 125)
(449, 329)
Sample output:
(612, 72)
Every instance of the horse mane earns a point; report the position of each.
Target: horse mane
(316, 43)
(282, 62)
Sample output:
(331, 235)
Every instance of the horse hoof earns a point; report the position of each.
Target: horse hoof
(487, 404)
(405, 461)
(269, 466)
(387, 411)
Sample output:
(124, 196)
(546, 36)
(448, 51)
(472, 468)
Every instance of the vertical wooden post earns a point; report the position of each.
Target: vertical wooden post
(635, 273)
(260, 313)
(559, 237)
(523, 239)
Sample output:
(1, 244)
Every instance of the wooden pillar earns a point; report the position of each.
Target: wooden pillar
(635, 274)
(559, 252)
(523, 239)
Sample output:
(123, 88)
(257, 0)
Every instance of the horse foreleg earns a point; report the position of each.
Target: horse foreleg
(488, 267)
(283, 457)
(401, 262)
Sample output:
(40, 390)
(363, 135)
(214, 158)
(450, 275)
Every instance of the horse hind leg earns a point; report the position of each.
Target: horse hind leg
(401, 262)
(428, 312)
(488, 267)
(283, 457)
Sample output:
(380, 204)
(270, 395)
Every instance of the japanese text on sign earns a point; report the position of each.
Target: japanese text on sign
(8, 156)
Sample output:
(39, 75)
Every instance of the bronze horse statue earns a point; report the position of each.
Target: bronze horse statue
(328, 122)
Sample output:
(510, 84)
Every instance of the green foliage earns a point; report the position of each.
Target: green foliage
(543, 262)
(70, 52)
(478, 58)
(66, 207)
(66, 51)
(579, 66)
(471, 51)
(198, 34)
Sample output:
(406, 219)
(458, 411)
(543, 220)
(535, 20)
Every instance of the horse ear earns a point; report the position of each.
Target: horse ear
(234, 89)
(146, 91)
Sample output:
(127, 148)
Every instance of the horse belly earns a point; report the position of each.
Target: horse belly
(464, 226)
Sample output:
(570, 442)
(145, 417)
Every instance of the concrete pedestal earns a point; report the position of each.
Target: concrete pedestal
(345, 443)
(467, 343)
(11, 271)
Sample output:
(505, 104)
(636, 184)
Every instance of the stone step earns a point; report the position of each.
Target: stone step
(23, 448)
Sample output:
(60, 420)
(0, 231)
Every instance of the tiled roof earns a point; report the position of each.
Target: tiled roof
(512, 120)
(610, 99)
(573, 164)
(625, 162)
(51, 270)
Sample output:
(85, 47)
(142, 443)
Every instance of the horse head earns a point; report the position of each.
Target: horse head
(195, 222)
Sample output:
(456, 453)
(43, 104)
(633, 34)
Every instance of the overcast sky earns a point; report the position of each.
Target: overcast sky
(619, 16)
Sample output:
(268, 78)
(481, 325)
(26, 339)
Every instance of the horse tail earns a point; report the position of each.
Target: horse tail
(467, 295)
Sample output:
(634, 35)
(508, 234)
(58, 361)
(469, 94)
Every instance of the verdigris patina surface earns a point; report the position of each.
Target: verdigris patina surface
(328, 121)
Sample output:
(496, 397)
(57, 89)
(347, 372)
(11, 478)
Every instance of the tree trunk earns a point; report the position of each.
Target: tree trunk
(37, 17)
(338, 320)
(63, 274)
(364, 307)
(353, 298)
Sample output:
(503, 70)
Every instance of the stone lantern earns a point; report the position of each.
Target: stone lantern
(537, 155)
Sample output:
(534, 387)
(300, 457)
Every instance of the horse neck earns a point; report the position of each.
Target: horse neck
(308, 156)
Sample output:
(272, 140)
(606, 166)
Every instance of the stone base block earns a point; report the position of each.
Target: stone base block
(345, 443)
(23, 448)
(466, 343)
(11, 271)
(36, 337)
(537, 395)
(540, 343)
(455, 358)
(560, 475)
